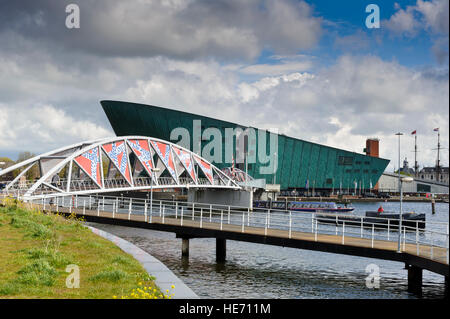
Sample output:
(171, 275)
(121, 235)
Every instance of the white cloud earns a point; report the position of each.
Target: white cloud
(431, 16)
(43, 127)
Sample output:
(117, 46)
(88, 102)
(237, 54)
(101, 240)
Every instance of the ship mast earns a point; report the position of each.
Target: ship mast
(437, 163)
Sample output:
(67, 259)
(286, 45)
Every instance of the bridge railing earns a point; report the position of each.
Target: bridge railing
(430, 240)
(76, 185)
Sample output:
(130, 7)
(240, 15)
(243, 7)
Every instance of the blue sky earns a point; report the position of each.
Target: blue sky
(347, 18)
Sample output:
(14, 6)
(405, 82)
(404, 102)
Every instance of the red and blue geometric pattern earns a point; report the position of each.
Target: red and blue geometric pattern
(185, 158)
(117, 152)
(142, 151)
(163, 151)
(90, 163)
(206, 168)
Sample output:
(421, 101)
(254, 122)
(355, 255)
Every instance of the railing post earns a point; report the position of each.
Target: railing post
(221, 217)
(315, 231)
(192, 211)
(431, 253)
(114, 204)
(129, 210)
(248, 216)
(389, 221)
(89, 201)
(176, 210)
(343, 232)
(84, 207)
(404, 238)
(201, 217)
(336, 228)
(290, 224)
(417, 239)
(98, 208)
(160, 208)
(145, 210)
(163, 209)
(312, 222)
(447, 243)
(103, 203)
(181, 215)
(210, 212)
(229, 213)
(265, 226)
(362, 228)
(268, 219)
(373, 229)
(243, 221)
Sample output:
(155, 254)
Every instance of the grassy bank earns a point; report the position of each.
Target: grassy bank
(36, 250)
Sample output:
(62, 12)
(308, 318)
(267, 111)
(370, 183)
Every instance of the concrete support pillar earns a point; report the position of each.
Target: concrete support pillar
(185, 247)
(221, 249)
(414, 279)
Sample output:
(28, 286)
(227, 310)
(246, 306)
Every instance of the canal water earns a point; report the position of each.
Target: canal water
(264, 271)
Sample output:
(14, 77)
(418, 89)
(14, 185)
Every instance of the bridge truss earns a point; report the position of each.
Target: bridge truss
(125, 163)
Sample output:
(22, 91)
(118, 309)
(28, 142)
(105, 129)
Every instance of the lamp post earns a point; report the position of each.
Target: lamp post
(400, 193)
(405, 179)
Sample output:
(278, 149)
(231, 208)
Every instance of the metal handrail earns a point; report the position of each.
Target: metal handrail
(268, 219)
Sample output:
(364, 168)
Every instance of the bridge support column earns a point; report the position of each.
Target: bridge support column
(221, 250)
(185, 247)
(414, 279)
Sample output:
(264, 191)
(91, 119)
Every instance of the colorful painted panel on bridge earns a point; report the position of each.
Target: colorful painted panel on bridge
(163, 151)
(186, 160)
(117, 152)
(143, 153)
(90, 163)
(206, 168)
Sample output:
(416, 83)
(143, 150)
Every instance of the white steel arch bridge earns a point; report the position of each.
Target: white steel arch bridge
(124, 163)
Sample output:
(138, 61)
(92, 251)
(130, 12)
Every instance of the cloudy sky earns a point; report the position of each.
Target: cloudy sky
(311, 69)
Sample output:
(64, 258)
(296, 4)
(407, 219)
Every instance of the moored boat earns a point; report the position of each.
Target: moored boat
(328, 207)
(378, 220)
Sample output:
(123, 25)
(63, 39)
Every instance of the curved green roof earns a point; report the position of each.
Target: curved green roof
(300, 162)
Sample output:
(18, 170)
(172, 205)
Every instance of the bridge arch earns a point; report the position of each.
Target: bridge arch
(123, 163)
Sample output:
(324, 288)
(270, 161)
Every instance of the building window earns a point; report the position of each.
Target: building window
(345, 160)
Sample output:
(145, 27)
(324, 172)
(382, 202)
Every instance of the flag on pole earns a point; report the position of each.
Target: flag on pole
(307, 184)
(436, 129)
(413, 132)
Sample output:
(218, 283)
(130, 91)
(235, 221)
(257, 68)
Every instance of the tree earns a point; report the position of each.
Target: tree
(33, 172)
(5, 163)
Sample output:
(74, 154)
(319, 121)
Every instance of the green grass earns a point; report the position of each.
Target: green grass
(36, 248)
